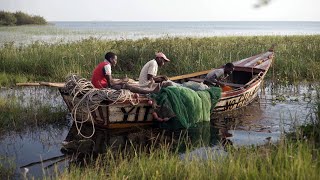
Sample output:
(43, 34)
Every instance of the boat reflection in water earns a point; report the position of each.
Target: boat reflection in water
(82, 150)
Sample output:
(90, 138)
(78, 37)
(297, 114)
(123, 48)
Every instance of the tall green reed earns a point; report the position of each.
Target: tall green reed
(297, 57)
(283, 161)
(7, 167)
(15, 116)
(311, 130)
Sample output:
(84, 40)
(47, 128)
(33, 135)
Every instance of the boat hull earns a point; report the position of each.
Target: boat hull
(238, 99)
(118, 115)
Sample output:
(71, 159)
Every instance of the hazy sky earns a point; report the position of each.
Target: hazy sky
(166, 10)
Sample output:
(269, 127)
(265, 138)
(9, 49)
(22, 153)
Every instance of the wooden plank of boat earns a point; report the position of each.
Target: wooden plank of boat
(185, 76)
(248, 76)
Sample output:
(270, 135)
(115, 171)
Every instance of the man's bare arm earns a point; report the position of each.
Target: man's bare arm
(157, 78)
(113, 82)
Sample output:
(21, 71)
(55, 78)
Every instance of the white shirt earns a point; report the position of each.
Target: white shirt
(107, 68)
(151, 68)
(214, 75)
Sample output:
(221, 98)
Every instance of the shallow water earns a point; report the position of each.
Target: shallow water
(34, 144)
(275, 111)
(33, 96)
(74, 31)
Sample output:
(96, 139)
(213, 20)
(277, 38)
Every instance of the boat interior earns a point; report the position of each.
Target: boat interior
(240, 78)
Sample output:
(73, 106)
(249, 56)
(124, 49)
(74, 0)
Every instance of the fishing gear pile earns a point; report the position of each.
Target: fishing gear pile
(189, 107)
(87, 98)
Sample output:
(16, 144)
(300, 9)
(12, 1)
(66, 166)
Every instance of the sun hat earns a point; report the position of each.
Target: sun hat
(161, 55)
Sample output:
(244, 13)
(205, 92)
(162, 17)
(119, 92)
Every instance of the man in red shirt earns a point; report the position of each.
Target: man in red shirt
(101, 76)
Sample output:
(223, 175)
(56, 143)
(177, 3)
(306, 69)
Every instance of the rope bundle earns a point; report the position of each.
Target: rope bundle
(86, 99)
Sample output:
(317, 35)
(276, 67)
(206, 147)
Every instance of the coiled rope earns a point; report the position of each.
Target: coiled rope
(86, 99)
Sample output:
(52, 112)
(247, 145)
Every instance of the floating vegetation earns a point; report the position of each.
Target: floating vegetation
(280, 97)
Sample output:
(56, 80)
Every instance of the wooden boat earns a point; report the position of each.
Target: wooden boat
(246, 80)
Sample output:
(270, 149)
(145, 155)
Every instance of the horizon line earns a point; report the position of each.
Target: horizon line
(183, 21)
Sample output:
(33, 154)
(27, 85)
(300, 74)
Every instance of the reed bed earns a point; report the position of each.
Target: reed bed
(7, 167)
(14, 116)
(312, 129)
(297, 57)
(286, 160)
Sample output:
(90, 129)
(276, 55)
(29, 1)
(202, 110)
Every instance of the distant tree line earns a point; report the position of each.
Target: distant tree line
(261, 3)
(19, 18)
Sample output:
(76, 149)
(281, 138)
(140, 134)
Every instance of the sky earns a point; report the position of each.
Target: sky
(166, 10)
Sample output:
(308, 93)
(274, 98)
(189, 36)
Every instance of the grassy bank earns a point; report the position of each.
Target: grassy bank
(284, 160)
(287, 160)
(297, 57)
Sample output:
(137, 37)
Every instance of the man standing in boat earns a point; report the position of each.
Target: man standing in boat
(217, 76)
(101, 76)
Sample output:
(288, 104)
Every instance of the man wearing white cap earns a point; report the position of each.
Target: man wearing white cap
(148, 73)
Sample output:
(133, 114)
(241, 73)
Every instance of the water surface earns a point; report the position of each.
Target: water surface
(277, 110)
(74, 31)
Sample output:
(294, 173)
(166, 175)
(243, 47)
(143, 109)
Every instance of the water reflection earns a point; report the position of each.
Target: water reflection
(212, 137)
(33, 145)
(33, 96)
(82, 149)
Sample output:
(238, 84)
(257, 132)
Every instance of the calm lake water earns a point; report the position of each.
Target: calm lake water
(277, 110)
(72, 31)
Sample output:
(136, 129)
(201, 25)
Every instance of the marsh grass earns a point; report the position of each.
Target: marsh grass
(297, 57)
(286, 160)
(311, 130)
(11, 79)
(7, 167)
(14, 116)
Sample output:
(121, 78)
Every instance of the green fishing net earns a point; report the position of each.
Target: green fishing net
(188, 107)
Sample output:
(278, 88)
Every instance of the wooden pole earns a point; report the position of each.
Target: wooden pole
(27, 84)
(51, 84)
(42, 161)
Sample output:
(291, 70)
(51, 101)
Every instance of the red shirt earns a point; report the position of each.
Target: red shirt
(98, 77)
